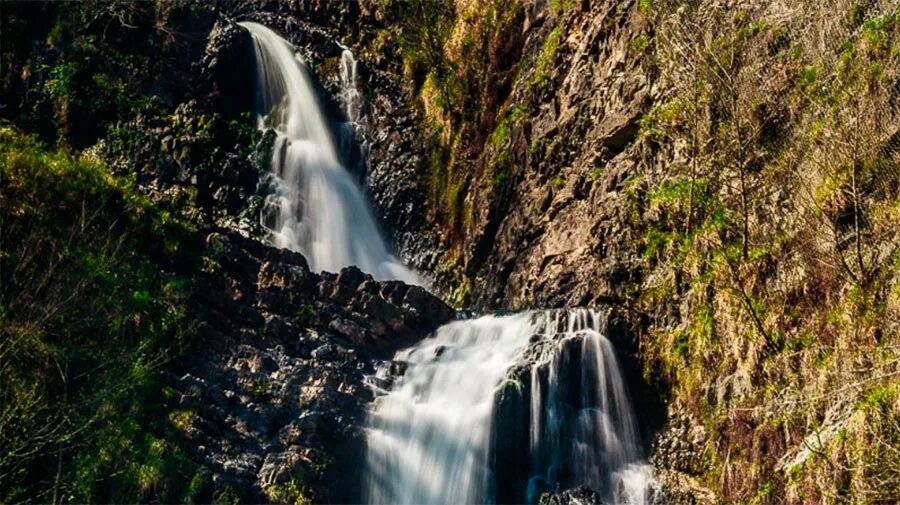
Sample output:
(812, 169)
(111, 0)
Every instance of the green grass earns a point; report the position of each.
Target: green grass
(559, 182)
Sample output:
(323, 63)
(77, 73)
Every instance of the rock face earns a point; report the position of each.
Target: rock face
(274, 393)
(274, 397)
(552, 237)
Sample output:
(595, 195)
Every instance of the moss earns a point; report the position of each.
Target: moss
(534, 145)
(754, 29)
(542, 64)
(876, 30)
(559, 182)
(502, 131)
(305, 313)
(881, 396)
(292, 492)
(661, 119)
(639, 44)
(765, 490)
(258, 387)
(459, 292)
(562, 7)
(644, 6)
(197, 486)
(808, 76)
(183, 420)
(681, 347)
(500, 177)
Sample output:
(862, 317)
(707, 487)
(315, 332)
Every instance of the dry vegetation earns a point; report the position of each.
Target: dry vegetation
(775, 229)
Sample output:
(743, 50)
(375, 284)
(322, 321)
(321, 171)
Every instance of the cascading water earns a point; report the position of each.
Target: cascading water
(582, 430)
(429, 437)
(316, 207)
(350, 93)
(444, 434)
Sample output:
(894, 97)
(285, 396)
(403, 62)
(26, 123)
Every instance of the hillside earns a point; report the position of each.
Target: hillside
(718, 181)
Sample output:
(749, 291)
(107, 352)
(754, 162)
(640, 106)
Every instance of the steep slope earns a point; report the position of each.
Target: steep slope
(728, 171)
(150, 350)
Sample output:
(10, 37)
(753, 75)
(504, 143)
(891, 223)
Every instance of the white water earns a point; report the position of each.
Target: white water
(316, 207)
(429, 437)
(581, 417)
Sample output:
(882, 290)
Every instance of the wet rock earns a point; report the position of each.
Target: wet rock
(229, 47)
(579, 496)
(349, 329)
(351, 277)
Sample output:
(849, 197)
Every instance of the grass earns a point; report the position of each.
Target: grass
(759, 308)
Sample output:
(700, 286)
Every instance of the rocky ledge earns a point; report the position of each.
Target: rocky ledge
(272, 399)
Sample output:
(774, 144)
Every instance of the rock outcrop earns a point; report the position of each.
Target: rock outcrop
(552, 234)
(272, 397)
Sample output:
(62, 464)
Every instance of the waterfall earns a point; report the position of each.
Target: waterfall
(445, 432)
(315, 206)
(429, 437)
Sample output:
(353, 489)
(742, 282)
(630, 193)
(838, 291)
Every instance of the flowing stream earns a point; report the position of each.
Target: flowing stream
(315, 207)
(489, 410)
(448, 431)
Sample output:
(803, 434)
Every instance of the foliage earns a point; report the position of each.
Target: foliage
(459, 60)
(92, 65)
(90, 312)
(545, 58)
(292, 492)
(559, 182)
(768, 234)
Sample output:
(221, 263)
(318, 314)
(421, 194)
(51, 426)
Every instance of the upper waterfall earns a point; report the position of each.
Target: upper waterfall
(315, 206)
(502, 409)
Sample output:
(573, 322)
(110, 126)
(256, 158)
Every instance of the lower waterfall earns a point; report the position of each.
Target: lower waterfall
(500, 409)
